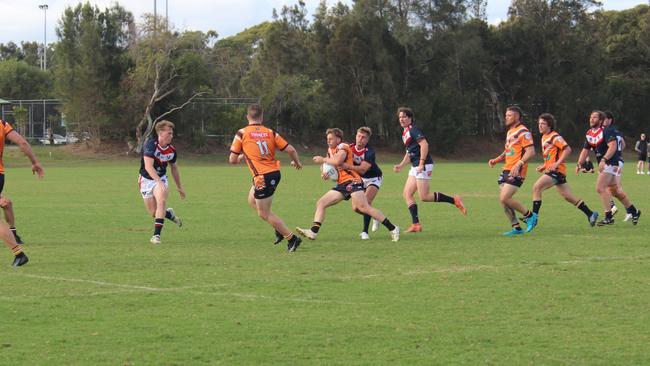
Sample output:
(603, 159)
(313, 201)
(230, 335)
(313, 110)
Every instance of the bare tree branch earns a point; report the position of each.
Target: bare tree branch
(178, 108)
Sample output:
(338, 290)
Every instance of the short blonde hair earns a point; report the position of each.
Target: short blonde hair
(366, 130)
(164, 124)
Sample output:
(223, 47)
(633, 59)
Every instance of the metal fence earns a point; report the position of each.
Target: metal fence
(41, 115)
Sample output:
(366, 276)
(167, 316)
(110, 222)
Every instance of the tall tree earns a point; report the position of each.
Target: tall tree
(90, 65)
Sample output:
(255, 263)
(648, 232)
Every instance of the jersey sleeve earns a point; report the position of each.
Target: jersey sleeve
(149, 148)
(236, 146)
(173, 161)
(526, 139)
(280, 142)
(560, 143)
(609, 135)
(416, 134)
(6, 127)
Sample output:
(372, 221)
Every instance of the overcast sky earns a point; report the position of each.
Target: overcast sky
(22, 20)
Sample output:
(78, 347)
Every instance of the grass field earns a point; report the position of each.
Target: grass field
(96, 292)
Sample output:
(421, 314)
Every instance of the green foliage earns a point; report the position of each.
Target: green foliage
(91, 63)
(354, 65)
(21, 114)
(19, 80)
(298, 106)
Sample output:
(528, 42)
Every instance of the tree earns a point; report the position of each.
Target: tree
(90, 65)
(18, 80)
(158, 73)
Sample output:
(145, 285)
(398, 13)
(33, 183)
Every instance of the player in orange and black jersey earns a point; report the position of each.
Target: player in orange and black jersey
(256, 144)
(8, 133)
(555, 151)
(518, 150)
(349, 186)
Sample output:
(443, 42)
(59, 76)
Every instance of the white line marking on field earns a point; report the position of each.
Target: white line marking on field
(104, 283)
(192, 289)
(189, 289)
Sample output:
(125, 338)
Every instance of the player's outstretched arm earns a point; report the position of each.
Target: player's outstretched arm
(295, 159)
(24, 146)
(177, 179)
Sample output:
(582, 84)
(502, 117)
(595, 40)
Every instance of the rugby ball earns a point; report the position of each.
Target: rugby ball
(331, 171)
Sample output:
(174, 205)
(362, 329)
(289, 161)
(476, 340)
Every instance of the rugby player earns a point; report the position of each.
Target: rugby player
(364, 158)
(8, 133)
(417, 154)
(519, 149)
(256, 144)
(555, 151)
(349, 186)
(156, 155)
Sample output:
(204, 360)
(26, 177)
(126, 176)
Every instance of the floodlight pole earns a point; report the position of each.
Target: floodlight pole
(44, 59)
(155, 15)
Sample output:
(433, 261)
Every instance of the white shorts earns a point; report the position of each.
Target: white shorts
(426, 173)
(615, 170)
(147, 185)
(376, 181)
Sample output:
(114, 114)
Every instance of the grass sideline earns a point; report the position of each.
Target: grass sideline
(218, 292)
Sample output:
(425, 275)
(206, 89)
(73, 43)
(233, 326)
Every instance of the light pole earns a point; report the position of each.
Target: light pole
(44, 61)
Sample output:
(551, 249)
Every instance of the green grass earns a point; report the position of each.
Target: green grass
(217, 292)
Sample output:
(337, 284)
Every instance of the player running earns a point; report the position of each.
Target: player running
(349, 186)
(555, 152)
(419, 178)
(8, 133)
(365, 164)
(607, 145)
(256, 144)
(153, 183)
(518, 151)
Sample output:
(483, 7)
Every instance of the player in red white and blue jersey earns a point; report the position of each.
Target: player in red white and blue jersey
(607, 144)
(364, 159)
(156, 155)
(417, 154)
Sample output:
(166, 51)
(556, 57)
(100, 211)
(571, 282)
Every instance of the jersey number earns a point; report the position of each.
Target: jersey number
(264, 147)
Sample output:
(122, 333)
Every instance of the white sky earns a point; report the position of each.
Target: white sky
(22, 20)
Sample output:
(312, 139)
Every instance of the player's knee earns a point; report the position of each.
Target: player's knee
(263, 215)
(359, 208)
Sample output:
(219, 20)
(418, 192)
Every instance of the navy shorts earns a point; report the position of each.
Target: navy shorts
(505, 178)
(642, 157)
(558, 178)
(348, 187)
(266, 184)
(2, 182)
